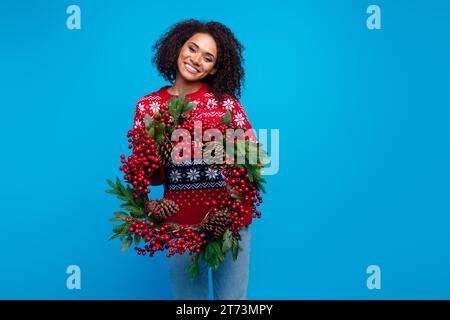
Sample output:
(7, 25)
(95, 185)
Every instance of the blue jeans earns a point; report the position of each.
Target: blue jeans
(230, 280)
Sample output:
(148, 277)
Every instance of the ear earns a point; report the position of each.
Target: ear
(213, 71)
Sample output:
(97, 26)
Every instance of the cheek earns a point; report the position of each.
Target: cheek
(210, 66)
(182, 55)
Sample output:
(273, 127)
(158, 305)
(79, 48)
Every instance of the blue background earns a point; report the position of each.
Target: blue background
(364, 144)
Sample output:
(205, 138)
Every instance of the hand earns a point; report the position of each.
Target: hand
(235, 194)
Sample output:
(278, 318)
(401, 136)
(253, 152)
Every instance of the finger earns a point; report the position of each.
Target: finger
(236, 195)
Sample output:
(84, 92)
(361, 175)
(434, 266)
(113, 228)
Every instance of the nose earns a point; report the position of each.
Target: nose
(196, 59)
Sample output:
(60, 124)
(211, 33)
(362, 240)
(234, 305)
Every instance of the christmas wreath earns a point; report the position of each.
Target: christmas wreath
(142, 219)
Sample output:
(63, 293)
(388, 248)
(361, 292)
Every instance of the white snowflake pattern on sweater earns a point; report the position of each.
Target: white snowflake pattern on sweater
(211, 103)
(228, 104)
(239, 119)
(211, 174)
(175, 175)
(141, 107)
(137, 123)
(193, 174)
(154, 106)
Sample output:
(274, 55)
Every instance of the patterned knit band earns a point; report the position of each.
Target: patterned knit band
(192, 175)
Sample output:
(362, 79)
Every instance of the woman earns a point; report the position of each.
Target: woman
(204, 61)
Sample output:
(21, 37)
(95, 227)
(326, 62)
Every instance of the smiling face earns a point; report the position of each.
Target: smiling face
(197, 57)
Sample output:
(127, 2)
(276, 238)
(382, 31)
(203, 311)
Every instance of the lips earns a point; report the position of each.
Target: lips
(190, 68)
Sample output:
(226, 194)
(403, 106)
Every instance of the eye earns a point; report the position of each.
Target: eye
(191, 49)
(208, 59)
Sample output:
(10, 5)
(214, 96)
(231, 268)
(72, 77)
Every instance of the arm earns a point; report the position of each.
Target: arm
(240, 120)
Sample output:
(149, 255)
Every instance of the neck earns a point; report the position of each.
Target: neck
(186, 86)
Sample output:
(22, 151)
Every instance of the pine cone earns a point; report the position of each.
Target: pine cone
(217, 154)
(218, 167)
(161, 209)
(164, 151)
(215, 224)
(150, 206)
(185, 115)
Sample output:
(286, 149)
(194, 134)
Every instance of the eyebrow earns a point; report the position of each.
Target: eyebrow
(199, 47)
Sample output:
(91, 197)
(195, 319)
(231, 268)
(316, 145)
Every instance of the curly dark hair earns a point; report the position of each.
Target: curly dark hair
(230, 72)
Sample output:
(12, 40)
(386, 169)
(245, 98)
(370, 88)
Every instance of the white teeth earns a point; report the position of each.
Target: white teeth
(190, 68)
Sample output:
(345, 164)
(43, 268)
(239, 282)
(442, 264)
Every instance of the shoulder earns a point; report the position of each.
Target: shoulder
(148, 105)
(151, 102)
(230, 102)
(210, 101)
(156, 96)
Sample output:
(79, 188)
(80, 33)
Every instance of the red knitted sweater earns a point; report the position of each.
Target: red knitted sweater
(193, 184)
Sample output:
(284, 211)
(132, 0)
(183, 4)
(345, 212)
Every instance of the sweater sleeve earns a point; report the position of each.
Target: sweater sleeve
(240, 119)
(141, 110)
